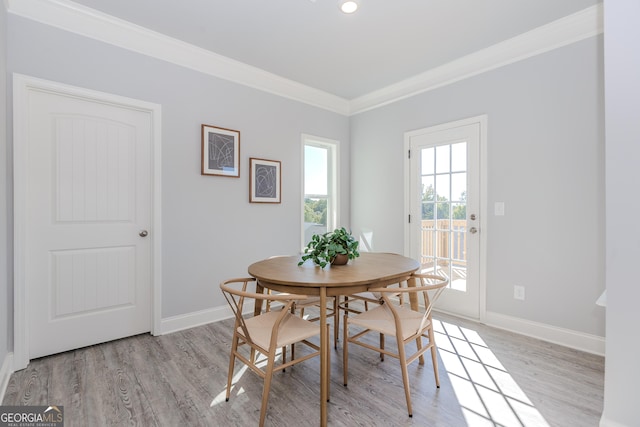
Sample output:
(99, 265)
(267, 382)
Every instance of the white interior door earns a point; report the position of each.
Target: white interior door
(87, 265)
(444, 231)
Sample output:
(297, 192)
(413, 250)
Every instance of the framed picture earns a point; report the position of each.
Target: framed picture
(264, 181)
(220, 151)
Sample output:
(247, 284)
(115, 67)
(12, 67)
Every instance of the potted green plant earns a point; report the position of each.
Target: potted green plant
(336, 247)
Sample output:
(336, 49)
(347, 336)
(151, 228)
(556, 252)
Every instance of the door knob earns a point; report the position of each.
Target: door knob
(143, 233)
(473, 230)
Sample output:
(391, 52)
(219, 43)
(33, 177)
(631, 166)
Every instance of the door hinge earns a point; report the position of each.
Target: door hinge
(409, 218)
(408, 154)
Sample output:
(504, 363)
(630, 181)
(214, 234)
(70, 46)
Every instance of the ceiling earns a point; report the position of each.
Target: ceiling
(313, 43)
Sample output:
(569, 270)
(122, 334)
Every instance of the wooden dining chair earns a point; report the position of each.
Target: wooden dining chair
(393, 318)
(332, 312)
(299, 307)
(265, 333)
(360, 302)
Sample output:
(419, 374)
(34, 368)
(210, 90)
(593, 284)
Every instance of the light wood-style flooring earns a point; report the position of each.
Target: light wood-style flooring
(488, 377)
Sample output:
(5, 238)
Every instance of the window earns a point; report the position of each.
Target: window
(320, 199)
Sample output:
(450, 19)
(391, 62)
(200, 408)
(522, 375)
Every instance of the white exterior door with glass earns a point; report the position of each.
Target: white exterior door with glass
(444, 210)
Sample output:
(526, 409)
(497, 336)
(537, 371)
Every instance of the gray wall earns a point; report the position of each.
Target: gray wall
(210, 230)
(622, 65)
(545, 154)
(5, 290)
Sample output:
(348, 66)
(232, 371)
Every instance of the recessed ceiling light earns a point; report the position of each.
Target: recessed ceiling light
(348, 6)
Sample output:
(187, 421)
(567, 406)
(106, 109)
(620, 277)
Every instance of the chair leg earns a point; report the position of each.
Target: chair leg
(328, 366)
(381, 347)
(344, 308)
(232, 360)
(418, 347)
(293, 346)
(284, 357)
(336, 321)
(434, 356)
(267, 386)
(405, 374)
(345, 350)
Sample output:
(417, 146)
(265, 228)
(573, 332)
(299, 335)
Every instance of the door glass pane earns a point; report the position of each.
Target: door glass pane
(443, 159)
(459, 212)
(428, 211)
(427, 187)
(443, 238)
(427, 161)
(444, 217)
(427, 197)
(459, 157)
(442, 188)
(458, 187)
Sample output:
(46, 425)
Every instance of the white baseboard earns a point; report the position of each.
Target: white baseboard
(199, 318)
(566, 337)
(604, 422)
(191, 320)
(5, 373)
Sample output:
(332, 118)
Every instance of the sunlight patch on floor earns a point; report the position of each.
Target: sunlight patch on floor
(221, 397)
(487, 393)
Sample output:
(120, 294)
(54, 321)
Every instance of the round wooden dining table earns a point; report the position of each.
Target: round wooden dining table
(371, 269)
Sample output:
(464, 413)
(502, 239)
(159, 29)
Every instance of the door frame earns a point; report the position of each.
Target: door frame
(22, 86)
(482, 271)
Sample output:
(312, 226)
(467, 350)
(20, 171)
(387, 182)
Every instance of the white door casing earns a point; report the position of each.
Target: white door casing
(463, 265)
(86, 184)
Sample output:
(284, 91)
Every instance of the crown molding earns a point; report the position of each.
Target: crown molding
(570, 29)
(78, 19)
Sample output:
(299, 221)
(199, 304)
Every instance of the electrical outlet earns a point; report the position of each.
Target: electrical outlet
(518, 292)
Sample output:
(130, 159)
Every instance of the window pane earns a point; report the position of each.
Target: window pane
(315, 218)
(315, 170)
(315, 211)
(320, 184)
